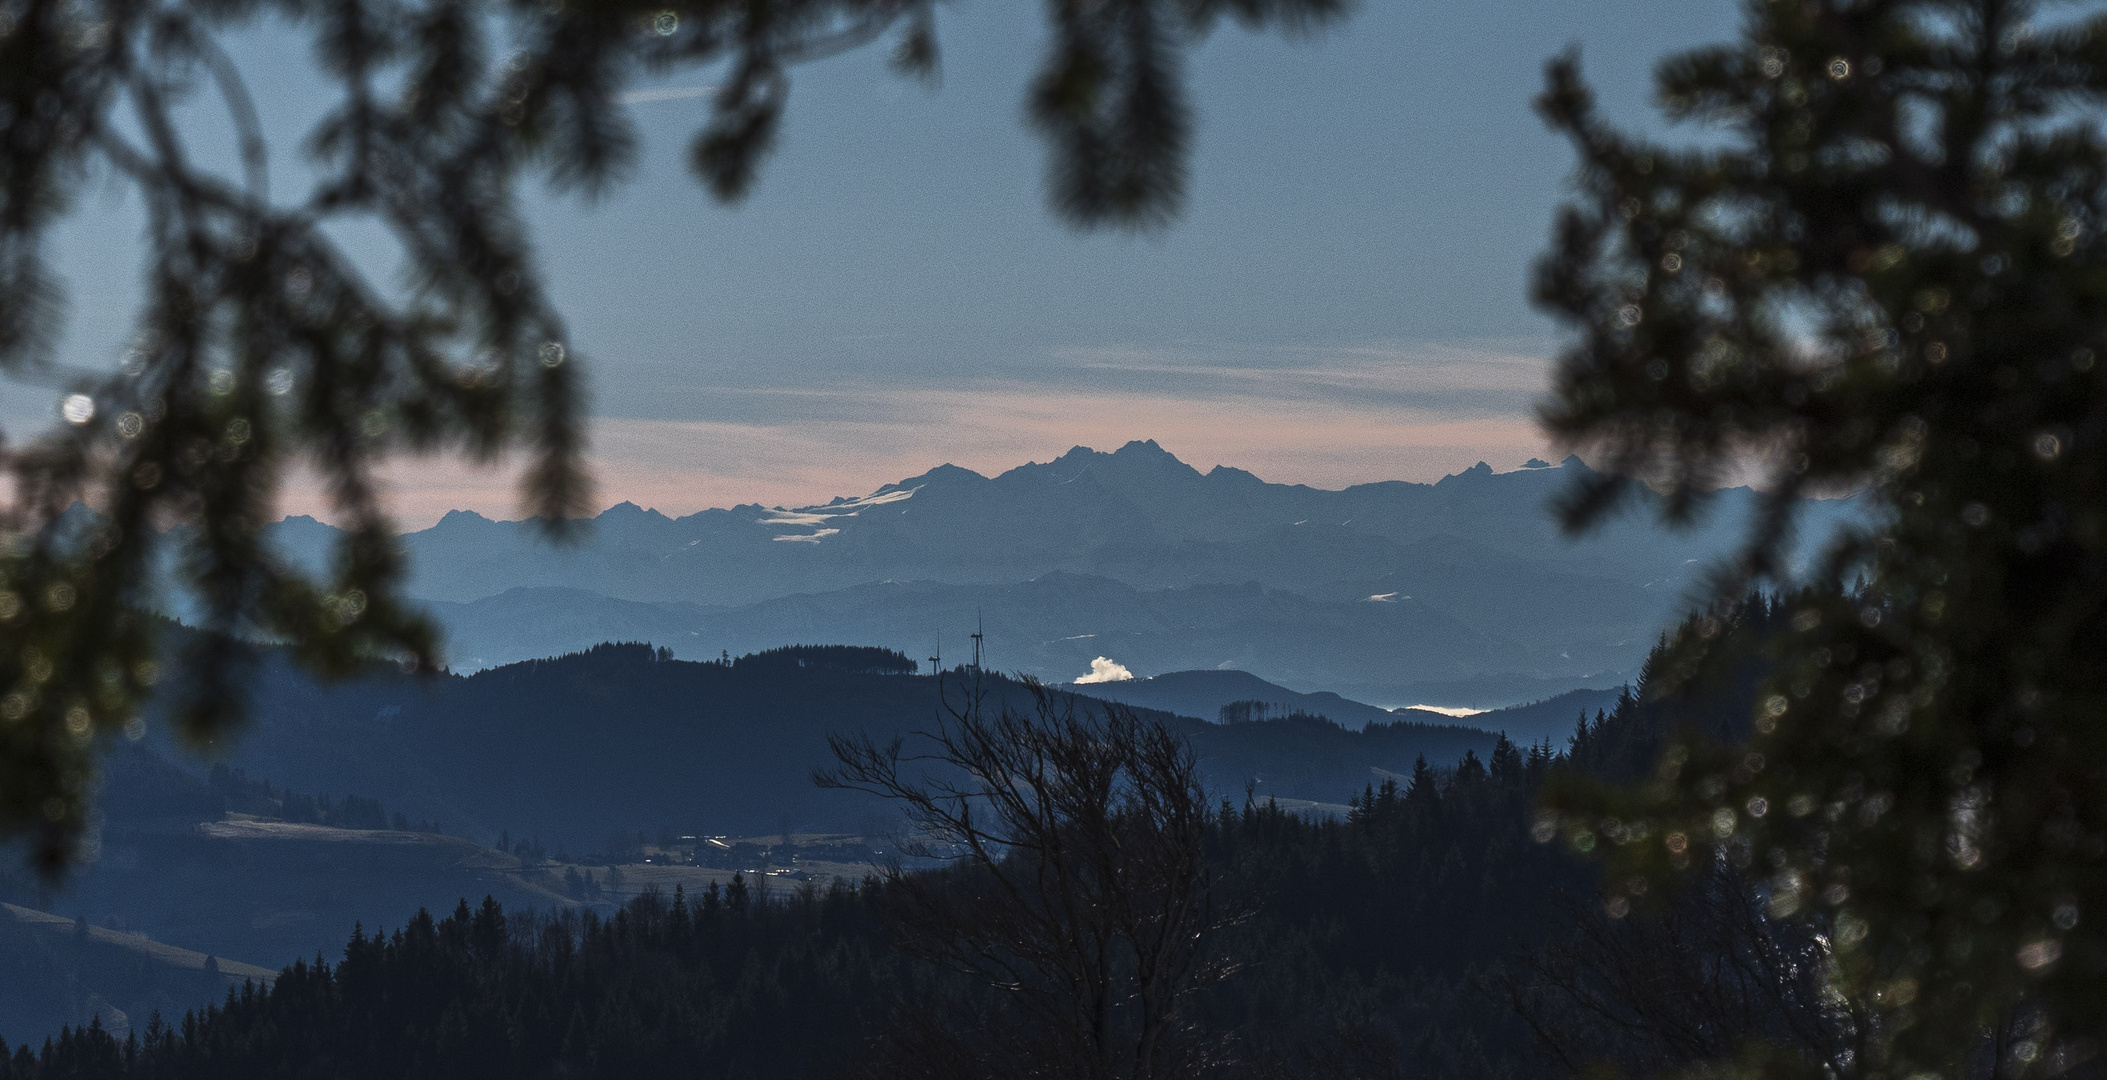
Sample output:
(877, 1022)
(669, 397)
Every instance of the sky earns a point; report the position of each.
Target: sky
(1344, 298)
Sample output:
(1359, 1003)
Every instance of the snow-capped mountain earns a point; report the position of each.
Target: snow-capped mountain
(1379, 590)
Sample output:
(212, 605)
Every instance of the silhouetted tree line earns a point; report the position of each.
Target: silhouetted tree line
(1249, 711)
(1443, 927)
(528, 851)
(244, 795)
(725, 986)
(241, 794)
(237, 792)
(1363, 934)
(852, 659)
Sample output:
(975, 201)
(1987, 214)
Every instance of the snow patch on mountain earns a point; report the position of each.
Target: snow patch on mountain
(806, 517)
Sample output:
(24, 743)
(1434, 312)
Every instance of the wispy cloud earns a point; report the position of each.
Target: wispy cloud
(1460, 376)
(666, 93)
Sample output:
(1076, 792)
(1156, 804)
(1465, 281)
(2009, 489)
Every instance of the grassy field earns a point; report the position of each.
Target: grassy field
(56, 971)
(234, 971)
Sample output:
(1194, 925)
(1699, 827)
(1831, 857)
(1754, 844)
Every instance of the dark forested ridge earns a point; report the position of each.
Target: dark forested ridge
(1376, 922)
(1404, 938)
(623, 737)
(385, 793)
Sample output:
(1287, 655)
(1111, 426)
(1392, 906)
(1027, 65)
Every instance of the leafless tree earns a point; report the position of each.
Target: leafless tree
(1077, 898)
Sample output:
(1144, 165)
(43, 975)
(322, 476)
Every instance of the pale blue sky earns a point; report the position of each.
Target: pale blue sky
(1343, 300)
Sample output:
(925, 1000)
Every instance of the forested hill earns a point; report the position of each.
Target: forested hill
(622, 738)
(361, 801)
(1435, 931)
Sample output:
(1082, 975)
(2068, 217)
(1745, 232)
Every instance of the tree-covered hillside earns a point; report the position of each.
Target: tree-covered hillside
(1438, 929)
(389, 792)
(621, 738)
(1370, 928)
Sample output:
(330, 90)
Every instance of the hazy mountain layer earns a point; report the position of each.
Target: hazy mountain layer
(1204, 694)
(1050, 627)
(1385, 592)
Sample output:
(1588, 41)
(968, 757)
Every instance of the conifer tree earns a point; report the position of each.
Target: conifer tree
(1424, 789)
(1506, 761)
(1881, 271)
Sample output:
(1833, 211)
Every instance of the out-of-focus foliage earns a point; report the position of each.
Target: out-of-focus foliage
(261, 347)
(1883, 271)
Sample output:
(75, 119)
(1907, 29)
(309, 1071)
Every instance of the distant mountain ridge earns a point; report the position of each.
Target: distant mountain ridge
(1051, 626)
(1132, 550)
(1203, 694)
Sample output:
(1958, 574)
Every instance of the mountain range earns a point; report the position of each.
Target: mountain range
(1460, 592)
